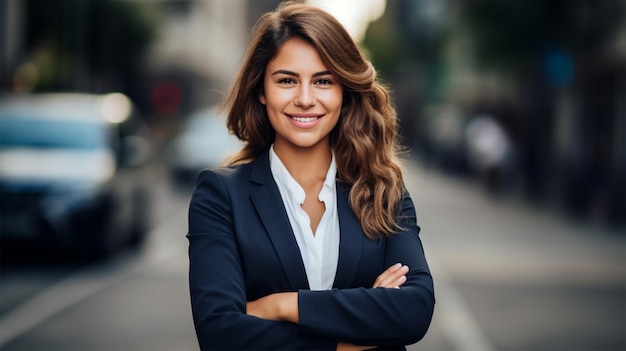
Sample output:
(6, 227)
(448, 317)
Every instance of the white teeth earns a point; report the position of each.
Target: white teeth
(304, 119)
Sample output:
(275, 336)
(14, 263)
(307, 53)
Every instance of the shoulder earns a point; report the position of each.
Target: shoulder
(257, 170)
(223, 177)
(215, 190)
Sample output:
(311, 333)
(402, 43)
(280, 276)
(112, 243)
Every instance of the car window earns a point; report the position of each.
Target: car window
(51, 133)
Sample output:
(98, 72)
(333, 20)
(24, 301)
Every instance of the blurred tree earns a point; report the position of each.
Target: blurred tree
(89, 45)
(507, 34)
(406, 45)
(410, 36)
(554, 50)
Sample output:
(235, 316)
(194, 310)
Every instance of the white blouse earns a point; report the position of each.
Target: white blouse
(320, 252)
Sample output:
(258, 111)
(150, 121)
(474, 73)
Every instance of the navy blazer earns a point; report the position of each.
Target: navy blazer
(242, 247)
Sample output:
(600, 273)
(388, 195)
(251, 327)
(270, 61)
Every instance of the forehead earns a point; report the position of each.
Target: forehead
(297, 53)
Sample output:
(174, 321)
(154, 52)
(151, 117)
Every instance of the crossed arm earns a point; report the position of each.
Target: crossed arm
(284, 306)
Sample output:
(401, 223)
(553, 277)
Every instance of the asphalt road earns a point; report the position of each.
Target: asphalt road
(508, 276)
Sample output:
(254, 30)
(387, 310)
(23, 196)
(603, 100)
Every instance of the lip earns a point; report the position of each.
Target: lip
(313, 119)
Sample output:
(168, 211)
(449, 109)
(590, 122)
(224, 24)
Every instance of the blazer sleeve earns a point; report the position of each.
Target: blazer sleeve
(377, 316)
(217, 289)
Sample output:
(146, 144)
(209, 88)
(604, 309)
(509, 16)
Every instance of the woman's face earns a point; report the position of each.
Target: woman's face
(302, 98)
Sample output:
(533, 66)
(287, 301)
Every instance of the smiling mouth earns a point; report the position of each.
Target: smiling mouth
(304, 119)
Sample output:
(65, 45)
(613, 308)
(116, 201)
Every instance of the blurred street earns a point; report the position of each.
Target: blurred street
(515, 110)
(508, 276)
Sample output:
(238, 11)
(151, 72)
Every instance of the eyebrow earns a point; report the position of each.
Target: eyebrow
(290, 73)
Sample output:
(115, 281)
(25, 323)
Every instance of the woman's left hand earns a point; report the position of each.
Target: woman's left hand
(392, 277)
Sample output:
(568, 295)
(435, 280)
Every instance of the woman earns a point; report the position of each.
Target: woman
(308, 239)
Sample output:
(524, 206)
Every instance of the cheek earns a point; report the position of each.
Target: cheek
(335, 100)
(277, 98)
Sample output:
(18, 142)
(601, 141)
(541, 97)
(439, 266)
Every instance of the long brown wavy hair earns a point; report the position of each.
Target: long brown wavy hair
(364, 141)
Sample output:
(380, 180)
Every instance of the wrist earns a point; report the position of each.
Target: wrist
(288, 307)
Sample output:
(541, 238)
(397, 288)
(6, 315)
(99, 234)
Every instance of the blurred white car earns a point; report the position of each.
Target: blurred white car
(203, 141)
(72, 172)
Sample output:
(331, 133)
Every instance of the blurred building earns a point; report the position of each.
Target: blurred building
(11, 38)
(550, 76)
(200, 46)
(170, 56)
(197, 54)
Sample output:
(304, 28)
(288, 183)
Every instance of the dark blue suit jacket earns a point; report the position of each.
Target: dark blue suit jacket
(242, 247)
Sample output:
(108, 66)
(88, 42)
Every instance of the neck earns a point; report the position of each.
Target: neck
(305, 164)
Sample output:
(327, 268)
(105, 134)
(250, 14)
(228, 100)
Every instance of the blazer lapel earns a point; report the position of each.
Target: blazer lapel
(270, 208)
(351, 236)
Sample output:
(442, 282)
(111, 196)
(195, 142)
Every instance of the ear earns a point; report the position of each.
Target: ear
(262, 98)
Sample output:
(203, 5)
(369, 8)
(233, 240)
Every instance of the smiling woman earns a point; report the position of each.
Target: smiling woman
(314, 234)
(302, 98)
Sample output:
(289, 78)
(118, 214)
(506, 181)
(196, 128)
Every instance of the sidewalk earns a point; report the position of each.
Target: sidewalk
(480, 246)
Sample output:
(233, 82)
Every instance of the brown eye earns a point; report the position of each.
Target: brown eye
(286, 81)
(323, 82)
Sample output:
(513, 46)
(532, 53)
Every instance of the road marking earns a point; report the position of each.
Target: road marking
(91, 280)
(452, 313)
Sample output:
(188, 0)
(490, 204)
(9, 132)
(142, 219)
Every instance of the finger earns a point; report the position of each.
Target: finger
(396, 278)
(390, 278)
(401, 280)
(384, 275)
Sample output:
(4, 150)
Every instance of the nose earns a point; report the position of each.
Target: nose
(305, 96)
